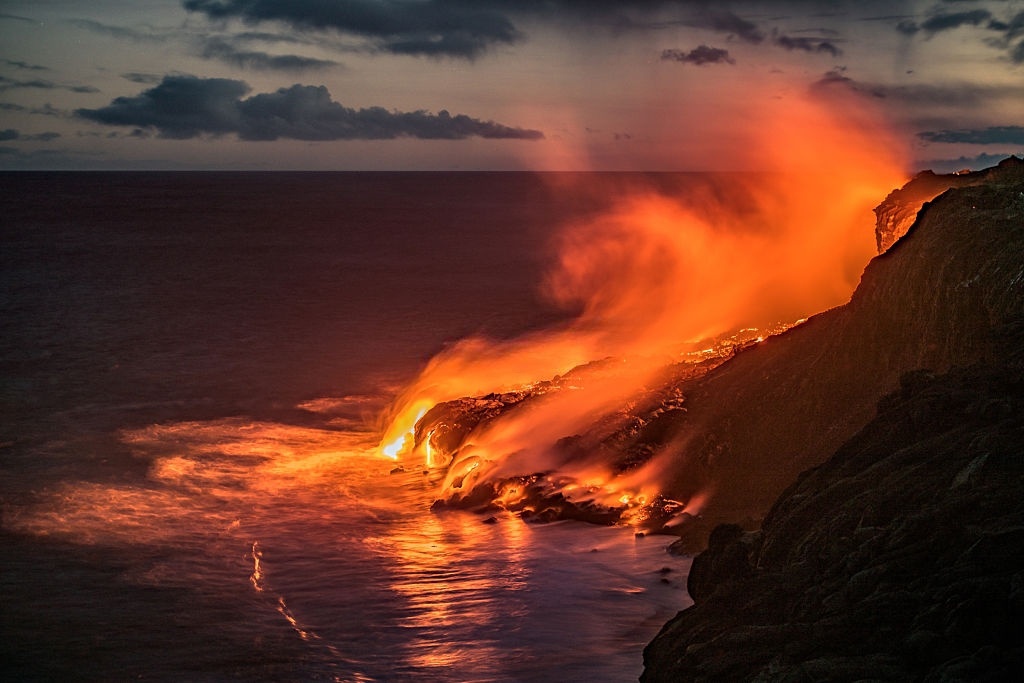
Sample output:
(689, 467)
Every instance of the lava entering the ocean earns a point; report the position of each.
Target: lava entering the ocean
(732, 257)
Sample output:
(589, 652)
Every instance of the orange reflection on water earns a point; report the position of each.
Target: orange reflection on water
(443, 567)
(205, 480)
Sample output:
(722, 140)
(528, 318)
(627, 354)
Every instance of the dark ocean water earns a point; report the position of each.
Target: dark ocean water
(191, 370)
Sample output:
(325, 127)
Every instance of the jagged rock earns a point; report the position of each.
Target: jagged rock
(726, 559)
(623, 439)
(897, 559)
(899, 209)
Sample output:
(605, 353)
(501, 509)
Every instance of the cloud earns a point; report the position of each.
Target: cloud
(45, 110)
(457, 28)
(945, 22)
(807, 44)
(24, 65)
(431, 27)
(143, 78)
(186, 106)
(1011, 30)
(1017, 54)
(700, 55)
(149, 35)
(994, 135)
(218, 48)
(40, 84)
(1007, 31)
(179, 107)
(15, 17)
(724, 21)
(837, 78)
(933, 95)
(13, 134)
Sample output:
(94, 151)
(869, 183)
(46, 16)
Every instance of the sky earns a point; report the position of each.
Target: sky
(641, 85)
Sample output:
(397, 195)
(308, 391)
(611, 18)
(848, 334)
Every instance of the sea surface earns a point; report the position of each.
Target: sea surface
(193, 367)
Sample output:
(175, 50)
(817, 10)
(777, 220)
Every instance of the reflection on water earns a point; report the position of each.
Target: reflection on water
(328, 543)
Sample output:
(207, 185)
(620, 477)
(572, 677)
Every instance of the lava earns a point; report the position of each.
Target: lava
(653, 276)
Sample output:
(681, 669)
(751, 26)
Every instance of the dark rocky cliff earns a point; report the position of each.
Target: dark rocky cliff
(900, 557)
(754, 423)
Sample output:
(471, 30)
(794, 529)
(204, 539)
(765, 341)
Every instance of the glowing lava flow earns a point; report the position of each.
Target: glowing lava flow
(406, 436)
(652, 276)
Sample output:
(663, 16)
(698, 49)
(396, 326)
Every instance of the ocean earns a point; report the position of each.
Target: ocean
(194, 369)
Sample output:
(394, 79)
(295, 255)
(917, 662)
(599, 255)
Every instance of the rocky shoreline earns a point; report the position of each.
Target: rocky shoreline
(901, 557)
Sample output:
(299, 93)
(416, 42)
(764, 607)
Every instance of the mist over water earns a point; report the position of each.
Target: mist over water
(193, 367)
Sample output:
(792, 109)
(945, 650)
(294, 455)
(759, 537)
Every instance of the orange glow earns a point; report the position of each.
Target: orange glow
(406, 430)
(656, 274)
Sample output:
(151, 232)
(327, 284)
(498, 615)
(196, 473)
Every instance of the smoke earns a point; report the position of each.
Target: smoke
(662, 270)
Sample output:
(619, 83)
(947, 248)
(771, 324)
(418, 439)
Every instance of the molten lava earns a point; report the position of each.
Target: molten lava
(653, 278)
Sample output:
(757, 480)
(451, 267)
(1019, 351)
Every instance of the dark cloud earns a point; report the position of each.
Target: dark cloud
(1010, 31)
(49, 110)
(807, 44)
(24, 65)
(724, 21)
(45, 110)
(266, 37)
(15, 17)
(218, 48)
(179, 107)
(994, 135)
(185, 107)
(700, 55)
(934, 95)
(1017, 53)
(149, 35)
(40, 84)
(460, 28)
(837, 78)
(431, 27)
(13, 134)
(945, 22)
(143, 78)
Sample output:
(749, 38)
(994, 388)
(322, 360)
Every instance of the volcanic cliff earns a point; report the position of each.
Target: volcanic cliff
(932, 301)
(900, 556)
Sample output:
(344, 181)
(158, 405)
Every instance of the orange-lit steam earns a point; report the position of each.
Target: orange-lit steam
(656, 273)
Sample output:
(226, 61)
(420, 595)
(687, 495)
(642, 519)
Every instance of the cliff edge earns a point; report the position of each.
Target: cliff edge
(898, 210)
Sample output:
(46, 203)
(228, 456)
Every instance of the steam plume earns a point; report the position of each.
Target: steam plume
(657, 273)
